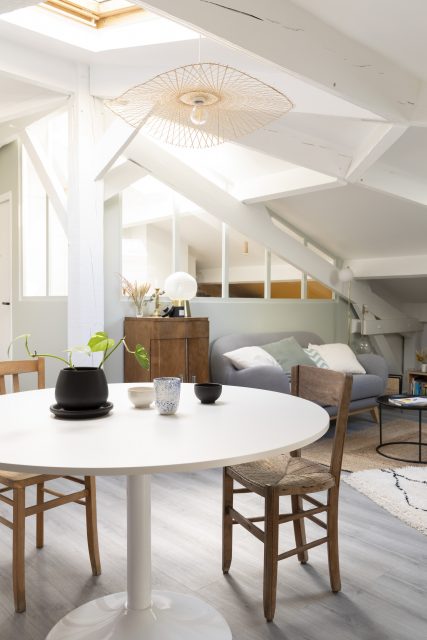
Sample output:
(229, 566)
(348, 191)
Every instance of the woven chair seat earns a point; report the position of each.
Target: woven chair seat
(292, 476)
(9, 477)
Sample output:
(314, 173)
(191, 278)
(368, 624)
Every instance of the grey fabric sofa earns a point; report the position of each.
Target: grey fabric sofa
(366, 387)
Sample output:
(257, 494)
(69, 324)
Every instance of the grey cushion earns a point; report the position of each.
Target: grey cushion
(288, 353)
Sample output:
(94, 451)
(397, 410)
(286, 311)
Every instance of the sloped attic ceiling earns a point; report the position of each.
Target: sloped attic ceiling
(358, 124)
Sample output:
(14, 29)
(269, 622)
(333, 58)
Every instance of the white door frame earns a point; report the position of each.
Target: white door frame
(7, 198)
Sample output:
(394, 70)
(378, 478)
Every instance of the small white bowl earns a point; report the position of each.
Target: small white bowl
(141, 397)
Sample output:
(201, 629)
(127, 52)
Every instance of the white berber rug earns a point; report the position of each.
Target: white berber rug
(403, 492)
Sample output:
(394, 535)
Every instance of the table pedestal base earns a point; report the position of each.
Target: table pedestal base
(172, 616)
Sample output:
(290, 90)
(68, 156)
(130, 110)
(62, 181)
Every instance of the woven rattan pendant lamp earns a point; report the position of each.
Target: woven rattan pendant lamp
(200, 105)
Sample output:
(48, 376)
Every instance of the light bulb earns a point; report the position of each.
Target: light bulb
(199, 114)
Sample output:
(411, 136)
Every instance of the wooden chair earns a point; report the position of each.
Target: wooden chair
(296, 477)
(17, 483)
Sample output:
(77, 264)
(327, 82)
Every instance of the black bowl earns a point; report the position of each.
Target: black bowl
(208, 392)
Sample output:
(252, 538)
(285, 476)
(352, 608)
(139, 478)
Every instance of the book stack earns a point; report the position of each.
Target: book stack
(418, 387)
(416, 401)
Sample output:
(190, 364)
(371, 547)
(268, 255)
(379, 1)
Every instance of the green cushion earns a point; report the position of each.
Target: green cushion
(288, 353)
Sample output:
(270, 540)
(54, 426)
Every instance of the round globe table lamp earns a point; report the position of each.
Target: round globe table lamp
(180, 287)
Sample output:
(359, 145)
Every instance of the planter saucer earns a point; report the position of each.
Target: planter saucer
(81, 414)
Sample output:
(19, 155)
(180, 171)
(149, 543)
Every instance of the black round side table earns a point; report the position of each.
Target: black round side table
(384, 401)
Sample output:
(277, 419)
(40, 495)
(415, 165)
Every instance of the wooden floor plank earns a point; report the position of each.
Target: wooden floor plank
(382, 560)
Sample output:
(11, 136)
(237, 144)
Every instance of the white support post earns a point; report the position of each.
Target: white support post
(176, 241)
(85, 221)
(267, 275)
(225, 288)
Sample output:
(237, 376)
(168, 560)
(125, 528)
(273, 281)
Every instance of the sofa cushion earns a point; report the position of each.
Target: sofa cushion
(338, 357)
(316, 358)
(288, 353)
(367, 386)
(246, 357)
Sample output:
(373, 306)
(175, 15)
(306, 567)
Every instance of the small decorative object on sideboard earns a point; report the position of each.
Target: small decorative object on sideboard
(136, 292)
(84, 390)
(208, 392)
(421, 357)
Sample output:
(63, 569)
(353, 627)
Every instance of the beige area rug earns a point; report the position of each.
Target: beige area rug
(359, 448)
(403, 492)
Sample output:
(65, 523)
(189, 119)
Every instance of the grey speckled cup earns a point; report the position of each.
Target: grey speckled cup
(167, 392)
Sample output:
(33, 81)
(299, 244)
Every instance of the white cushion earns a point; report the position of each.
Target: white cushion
(251, 357)
(338, 357)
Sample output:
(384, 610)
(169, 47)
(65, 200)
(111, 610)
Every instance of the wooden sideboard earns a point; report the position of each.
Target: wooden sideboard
(176, 346)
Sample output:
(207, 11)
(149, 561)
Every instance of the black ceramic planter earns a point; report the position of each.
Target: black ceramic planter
(81, 388)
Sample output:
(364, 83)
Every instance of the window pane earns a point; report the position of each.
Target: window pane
(34, 204)
(246, 267)
(315, 289)
(285, 279)
(201, 248)
(147, 252)
(58, 256)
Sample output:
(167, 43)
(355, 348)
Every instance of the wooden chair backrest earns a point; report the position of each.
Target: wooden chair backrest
(15, 367)
(327, 388)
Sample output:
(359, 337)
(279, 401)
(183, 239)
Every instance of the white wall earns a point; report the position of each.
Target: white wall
(45, 319)
(327, 318)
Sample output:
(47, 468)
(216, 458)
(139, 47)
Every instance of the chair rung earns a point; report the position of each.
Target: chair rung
(6, 522)
(5, 489)
(45, 506)
(247, 524)
(303, 547)
(316, 503)
(7, 500)
(242, 491)
(288, 517)
(73, 479)
(317, 521)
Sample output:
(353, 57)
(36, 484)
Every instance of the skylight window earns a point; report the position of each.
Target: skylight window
(94, 13)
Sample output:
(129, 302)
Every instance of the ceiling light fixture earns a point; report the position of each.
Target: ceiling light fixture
(200, 105)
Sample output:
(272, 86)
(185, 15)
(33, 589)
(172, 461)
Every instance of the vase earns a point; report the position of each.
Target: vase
(80, 388)
(167, 391)
(424, 367)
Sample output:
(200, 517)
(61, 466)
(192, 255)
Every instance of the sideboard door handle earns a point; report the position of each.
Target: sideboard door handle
(6, 304)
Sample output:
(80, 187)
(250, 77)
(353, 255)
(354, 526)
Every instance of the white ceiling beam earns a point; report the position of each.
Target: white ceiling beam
(388, 179)
(122, 177)
(252, 220)
(9, 130)
(390, 267)
(300, 148)
(373, 326)
(13, 5)
(112, 145)
(47, 177)
(32, 107)
(373, 147)
(283, 184)
(295, 40)
(36, 68)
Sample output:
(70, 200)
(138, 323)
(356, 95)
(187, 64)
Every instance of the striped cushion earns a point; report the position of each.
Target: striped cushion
(317, 358)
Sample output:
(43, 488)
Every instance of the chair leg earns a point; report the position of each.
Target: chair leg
(18, 562)
(299, 528)
(92, 526)
(271, 547)
(227, 521)
(333, 554)
(40, 517)
(375, 415)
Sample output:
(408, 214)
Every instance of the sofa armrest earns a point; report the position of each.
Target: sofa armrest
(269, 378)
(375, 365)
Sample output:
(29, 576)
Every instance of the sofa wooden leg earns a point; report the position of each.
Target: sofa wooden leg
(375, 415)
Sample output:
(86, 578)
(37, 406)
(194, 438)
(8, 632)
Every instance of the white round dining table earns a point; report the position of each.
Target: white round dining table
(243, 425)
